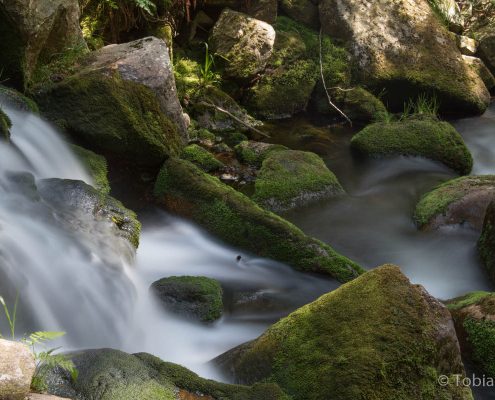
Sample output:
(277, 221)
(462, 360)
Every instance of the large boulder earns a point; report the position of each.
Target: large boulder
(481, 69)
(107, 374)
(377, 337)
(423, 137)
(122, 102)
(197, 297)
(458, 201)
(403, 48)
(289, 179)
(244, 42)
(17, 368)
(474, 317)
(184, 189)
(486, 243)
(33, 31)
(487, 50)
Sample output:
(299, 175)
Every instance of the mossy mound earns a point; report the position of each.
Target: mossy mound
(201, 157)
(486, 243)
(461, 200)
(96, 166)
(254, 153)
(422, 137)
(377, 337)
(474, 317)
(112, 116)
(18, 100)
(5, 125)
(108, 374)
(194, 296)
(291, 178)
(184, 189)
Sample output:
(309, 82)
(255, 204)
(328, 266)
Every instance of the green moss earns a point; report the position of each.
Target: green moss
(288, 179)
(466, 300)
(438, 200)
(426, 137)
(112, 116)
(18, 100)
(234, 138)
(187, 78)
(481, 336)
(97, 167)
(376, 337)
(254, 153)
(5, 125)
(201, 157)
(486, 243)
(196, 296)
(185, 190)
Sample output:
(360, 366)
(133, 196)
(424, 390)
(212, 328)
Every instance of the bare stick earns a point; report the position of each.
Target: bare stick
(222, 110)
(325, 84)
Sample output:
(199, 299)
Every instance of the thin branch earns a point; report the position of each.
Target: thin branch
(240, 121)
(325, 84)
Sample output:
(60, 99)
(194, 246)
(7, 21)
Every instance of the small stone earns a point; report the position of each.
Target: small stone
(17, 368)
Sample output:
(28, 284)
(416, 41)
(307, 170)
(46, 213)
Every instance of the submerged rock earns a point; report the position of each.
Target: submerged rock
(377, 337)
(184, 189)
(403, 48)
(244, 42)
(458, 201)
(289, 179)
(34, 31)
(474, 317)
(17, 368)
(486, 243)
(422, 137)
(197, 297)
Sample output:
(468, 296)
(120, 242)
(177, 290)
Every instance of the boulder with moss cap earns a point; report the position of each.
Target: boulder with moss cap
(377, 337)
(184, 189)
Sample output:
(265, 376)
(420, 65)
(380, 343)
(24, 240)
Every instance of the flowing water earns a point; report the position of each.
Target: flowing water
(86, 282)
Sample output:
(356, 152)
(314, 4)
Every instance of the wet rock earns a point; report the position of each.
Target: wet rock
(420, 136)
(195, 297)
(393, 341)
(404, 49)
(184, 189)
(481, 69)
(290, 179)
(34, 31)
(17, 368)
(96, 166)
(13, 98)
(486, 243)
(458, 201)
(474, 317)
(245, 42)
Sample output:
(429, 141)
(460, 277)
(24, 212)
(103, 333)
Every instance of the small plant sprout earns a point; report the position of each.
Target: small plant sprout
(208, 76)
(11, 318)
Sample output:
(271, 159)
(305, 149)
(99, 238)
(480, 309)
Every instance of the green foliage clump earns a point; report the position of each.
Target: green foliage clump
(201, 157)
(486, 243)
(5, 125)
(184, 189)
(376, 337)
(196, 296)
(291, 178)
(466, 300)
(97, 167)
(481, 336)
(419, 136)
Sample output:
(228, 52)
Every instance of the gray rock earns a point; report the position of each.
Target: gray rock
(17, 368)
(467, 46)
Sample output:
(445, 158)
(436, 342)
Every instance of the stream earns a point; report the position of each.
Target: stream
(82, 284)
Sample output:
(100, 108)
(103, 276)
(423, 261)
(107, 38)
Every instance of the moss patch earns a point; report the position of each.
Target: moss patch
(486, 243)
(97, 167)
(195, 296)
(423, 137)
(184, 189)
(201, 157)
(254, 153)
(113, 116)
(288, 179)
(18, 100)
(377, 337)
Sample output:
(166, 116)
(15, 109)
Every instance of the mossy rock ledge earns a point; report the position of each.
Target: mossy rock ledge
(461, 201)
(197, 297)
(96, 166)
(182, 188)
(474, 317)
(201, 157)
(486, 243)
(377, 337)
(289, 179)
(416, 136)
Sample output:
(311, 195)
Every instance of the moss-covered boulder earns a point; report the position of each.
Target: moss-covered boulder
(74, 199)
(402, 47)
(486, 243)
(16, 99)
(254, 153)
(474, 317)
(421, 137)
(245, 43)
(5, 125)
(289, 179)
(377, 337)
(201, 157)
(184, 189)
(196, 297)
(108, 374)
(481, 69)
(96, 166)
(458, 201)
